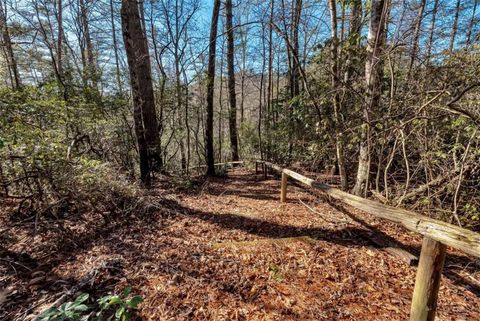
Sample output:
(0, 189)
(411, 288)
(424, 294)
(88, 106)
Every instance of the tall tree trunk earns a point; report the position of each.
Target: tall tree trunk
(416, 36)
(335, 79)
(146, 125)
(187, 113)
(163, 80)
(453, 35)
(292, 43)
(115, 49)
(51, 46)
(471, 24)
(220, 104)
(356, 19)
(7, 42)
(270, 78)
(90, 67)
(243, 74)
(261, 96)
(178, 89)
(141, 9)
(183, 157)
(232, 115)
(297, 11)
(373, 77)
(349, 76)
(432, 31)
(210, 89)
(277, 83)
(60, 37)
(354, 34)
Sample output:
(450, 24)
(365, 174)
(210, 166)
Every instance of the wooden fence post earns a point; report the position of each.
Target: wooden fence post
(256, 167)
(427, 282)
(264, 171)
(283, 192)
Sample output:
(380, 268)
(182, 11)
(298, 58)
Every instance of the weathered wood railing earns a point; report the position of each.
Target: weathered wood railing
(437, 236)
(198, 168)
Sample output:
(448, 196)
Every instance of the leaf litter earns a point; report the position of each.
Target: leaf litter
(227, 249)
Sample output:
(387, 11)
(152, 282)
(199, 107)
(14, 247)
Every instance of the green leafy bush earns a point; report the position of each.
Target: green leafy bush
(59, 158)
(120, 306)
(71, 311)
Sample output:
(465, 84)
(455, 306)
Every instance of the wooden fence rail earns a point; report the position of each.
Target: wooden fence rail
(198, 168)
(437, 235)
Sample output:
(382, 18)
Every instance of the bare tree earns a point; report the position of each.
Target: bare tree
(453, 34)
(431, 31)
(335, 79)
(210, 89)
(60, 37)
(10, 56)
(90, 69)
(416, 36)
(146, 125)
(295, 73)
(373, 83)
(471, 23)
(231, 82)
(115, 48)
(270, 70)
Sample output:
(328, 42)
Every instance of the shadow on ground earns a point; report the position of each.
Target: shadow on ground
(130, 238)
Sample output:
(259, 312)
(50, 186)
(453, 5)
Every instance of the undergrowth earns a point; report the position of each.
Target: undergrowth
(117, 307)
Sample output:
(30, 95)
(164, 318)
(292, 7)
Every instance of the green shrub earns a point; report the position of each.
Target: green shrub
(71, 311)
(120, 306)
(58, 158)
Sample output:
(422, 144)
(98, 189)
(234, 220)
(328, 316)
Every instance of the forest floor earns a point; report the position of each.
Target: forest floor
(227, 249)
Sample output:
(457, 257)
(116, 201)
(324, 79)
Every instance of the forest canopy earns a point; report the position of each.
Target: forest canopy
(382, 93)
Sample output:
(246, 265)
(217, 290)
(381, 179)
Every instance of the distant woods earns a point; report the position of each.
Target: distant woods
(384, 92)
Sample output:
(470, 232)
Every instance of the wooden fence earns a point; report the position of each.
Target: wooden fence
(201, 168)
(437, 235)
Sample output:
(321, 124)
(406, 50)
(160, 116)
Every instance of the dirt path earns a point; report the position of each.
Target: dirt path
(270, 261)
(227, 249)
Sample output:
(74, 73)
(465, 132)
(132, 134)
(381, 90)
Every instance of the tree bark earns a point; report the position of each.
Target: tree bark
(261, 96)
(335, 77)
(163, 81)
(231, 82)
(453, 35)
(7, 42)
(432, 31)
(115, 49)
(291, 36)
(416, 36)
(146, 124)
(210, 157)
(373, 82)
(50, 44)
(60, 38)
(243, 74)
(90, 69)
(269, 111)
(220, 104)
(296, 14)
(471, 24)
(354, 32)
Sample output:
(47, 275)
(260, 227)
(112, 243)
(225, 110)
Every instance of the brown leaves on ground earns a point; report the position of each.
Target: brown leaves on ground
(227, 249)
